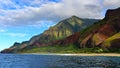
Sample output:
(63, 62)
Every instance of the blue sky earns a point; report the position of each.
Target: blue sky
(22, 19)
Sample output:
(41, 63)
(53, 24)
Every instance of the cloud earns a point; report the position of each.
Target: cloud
(35, 12)
(8, 4)
(2, 30)
(16, 34)
(19, 4)
(111, 4)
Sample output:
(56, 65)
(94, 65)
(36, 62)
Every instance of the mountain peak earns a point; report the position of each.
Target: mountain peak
(74, 16)
(73, 20)
(112, 13)
(16, 44)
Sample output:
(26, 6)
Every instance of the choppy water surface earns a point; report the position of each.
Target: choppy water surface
(56, 61)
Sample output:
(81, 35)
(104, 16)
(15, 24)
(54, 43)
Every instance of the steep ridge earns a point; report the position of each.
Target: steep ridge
(60, 31)
(105, 29)
(65, 28)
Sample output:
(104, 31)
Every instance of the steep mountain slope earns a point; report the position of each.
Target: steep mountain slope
(104, 29)
(112, 42)
(60, 31)
(64, 28)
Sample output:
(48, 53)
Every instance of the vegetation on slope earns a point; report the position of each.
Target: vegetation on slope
(65, 49)
(108, 41)
(90, 28)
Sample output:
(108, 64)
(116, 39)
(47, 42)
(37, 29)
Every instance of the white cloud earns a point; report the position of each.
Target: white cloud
(16, 34)
(30, 12)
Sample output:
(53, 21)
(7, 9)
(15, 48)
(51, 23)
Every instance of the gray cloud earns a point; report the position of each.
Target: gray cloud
(111, 4)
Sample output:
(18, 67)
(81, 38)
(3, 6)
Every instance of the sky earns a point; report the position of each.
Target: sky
(22, 19)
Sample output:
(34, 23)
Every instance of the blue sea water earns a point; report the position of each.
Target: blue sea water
(57, 61)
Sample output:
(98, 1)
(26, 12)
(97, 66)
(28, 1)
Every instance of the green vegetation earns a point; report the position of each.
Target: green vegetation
(89, 29)
(95, 38)
(109, 40)
(66, 49)
(52, 49)
(115, 50)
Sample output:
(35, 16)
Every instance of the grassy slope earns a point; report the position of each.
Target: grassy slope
(52, 49)
(109, 40)
(89, 29)
(63, 49)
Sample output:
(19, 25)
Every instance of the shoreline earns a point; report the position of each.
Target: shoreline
(80, 54)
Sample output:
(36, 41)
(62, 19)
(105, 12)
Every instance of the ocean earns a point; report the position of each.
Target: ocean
(57, 61)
